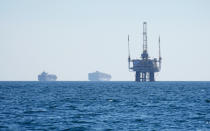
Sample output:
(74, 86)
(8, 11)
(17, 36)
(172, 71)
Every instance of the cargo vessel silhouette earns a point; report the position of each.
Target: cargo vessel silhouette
(47, 77)
(99, 76)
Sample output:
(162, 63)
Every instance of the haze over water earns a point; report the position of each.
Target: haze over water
(71, 38)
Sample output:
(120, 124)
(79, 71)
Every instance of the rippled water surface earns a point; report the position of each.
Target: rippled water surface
(105, 106)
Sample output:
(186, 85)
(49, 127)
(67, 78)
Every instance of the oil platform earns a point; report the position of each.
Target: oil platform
(144, 67)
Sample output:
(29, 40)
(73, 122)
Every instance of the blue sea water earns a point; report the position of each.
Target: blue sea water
(105, 106)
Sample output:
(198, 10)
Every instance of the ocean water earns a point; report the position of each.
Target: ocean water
(105, 106)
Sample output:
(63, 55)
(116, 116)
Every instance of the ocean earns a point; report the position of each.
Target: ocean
(105, 106)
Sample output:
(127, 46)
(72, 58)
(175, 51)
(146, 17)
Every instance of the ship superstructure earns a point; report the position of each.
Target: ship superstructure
(144, 67)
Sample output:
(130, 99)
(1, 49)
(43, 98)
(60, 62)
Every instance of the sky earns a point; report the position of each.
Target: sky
(71, 38)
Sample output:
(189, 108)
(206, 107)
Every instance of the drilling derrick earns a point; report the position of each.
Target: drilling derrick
(144, 67)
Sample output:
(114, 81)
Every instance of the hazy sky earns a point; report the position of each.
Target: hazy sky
(71, 38)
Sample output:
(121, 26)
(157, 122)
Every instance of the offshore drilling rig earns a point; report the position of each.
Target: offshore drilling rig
(144, 67)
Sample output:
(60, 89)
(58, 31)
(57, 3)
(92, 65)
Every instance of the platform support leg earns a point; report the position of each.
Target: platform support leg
(137, 76)
(151, 76)
(144, 76)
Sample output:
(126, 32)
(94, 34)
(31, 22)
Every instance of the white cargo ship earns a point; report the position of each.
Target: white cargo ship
(99, 76)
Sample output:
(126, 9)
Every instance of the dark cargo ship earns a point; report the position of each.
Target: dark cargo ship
(47, 77)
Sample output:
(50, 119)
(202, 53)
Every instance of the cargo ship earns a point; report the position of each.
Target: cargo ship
(99, 76)
(47, 77)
